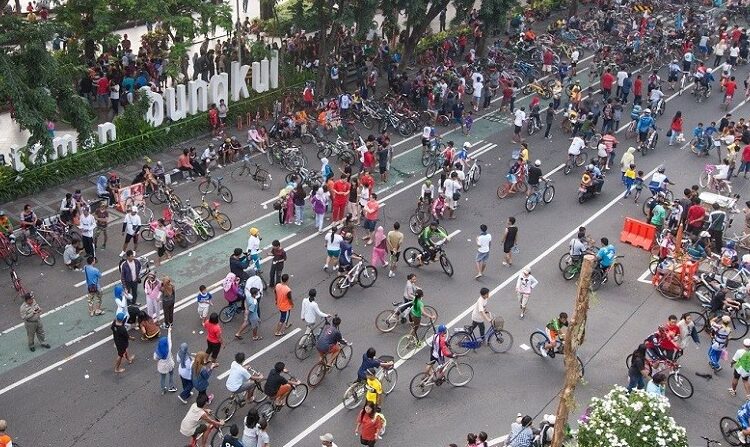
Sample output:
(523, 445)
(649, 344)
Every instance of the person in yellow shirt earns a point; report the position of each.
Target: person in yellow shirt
(374, 388)
(524, 152)
(628, 177)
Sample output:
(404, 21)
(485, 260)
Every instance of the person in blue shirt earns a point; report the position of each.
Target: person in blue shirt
(645, 123)
(369, 361)
(710, 130)
(698, 131)
(707, 78)
(743, 417)
(346, 255)
(606, 256)
(635, 114)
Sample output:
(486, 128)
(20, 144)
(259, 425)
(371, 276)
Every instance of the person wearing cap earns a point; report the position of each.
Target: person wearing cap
(131, 225)
(6, 227)
(524, 285)
(373, 387)
(546, 430)
(253, 247)
(721, 329)
(533, 176)
(92, 276)
(439, 350)
(741, 364)
(122, 340)
(32, 321)
(326, 440)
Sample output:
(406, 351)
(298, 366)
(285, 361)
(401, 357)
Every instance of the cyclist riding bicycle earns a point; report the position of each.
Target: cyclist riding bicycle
(278, 386)
(743, 417)
(578, 247)
(330, 341)
(368, 362)
(346, 256)
(645, 123)
(425, 241)
(576, 146)
(439, 350)
(659, 181)
(6, 226)
(606, 256)
(241, 379)
(555, 333)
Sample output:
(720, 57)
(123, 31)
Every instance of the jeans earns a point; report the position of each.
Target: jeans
(714, 355)
(636, 382)
(547, 129)
(480, 324)
(275, 273)
(744, 167)
(164, 380)
(319, 219)
(298, 213)
(187, 387)
(673, 137)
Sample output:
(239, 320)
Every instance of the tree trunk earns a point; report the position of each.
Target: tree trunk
(415, 32)
(572, 342)
(18, 6)
(266, 9)
(323, 50)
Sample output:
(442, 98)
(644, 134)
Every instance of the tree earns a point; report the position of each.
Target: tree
(90, 24)
(40, 86)
(419, 14)
(185, 20)
(492, 13)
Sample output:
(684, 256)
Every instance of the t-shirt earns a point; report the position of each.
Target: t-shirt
(416, 308)
(213, 332)
(519, 117)
(653, 388)
(394, 239)
(191, 420)
(231, 441)
(367, 363)
(483, 241)
(329, 337)
(274, 382)
(336, 244)
(606, 255)
(237, 376)
(477, 311)
(369, 426)
(70, 254)
(741, 360)
(450, 187)
(372, 209)
(374, 389)
(255, 437)
(659, 213)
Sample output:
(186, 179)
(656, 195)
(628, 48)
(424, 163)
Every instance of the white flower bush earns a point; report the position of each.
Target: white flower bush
(637, 419)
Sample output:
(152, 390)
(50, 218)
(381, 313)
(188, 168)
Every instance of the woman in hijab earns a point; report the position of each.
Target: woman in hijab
(379, 249)
(165, 362)
(121, 302)
(184, 368)
(231, 287)
(325, 169)
(319, 203)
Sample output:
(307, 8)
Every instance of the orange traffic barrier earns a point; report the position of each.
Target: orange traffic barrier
(637, 233)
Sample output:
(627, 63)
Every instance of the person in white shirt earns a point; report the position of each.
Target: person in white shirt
(574, 56)
(524, 285)
(327, 440)
(519, 117)
(87, 225)
(311, 311)
(242, 378)
(479, 313)
(655, 97)
(255, 140)
(208, 157)
(254, 281)
(576, 146)
(451, 188)
(253, 247)
(621, 76)
(131, 225)
(483, 250)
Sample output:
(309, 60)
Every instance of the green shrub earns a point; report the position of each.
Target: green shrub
(433, 40)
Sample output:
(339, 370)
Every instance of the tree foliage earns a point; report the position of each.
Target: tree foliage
(91, 23)
(186, 20)
(39, 85)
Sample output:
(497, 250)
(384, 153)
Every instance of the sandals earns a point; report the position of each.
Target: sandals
(732, 392)
(238, 337)
(257, 338)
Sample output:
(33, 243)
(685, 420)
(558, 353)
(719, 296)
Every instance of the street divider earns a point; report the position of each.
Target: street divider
(637, 233)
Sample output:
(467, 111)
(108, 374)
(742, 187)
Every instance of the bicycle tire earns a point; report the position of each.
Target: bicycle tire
(226, 409)
(670, 287)
(158, 197)
(503, 191)
(410, 256)
(619, 273)
(386, 321)
(304, 347)
(22, 247)
(206, 186)
(739, 328)
(445, 263)
(223, 221)
(238, 173)
(266, 410)
(389, 380)
(733, 274)
(415, 224)
(317, 374)
(729, 428)
(547, 198)
(336, 288)
(226, 194)
(353, 396)
(680, 385)
(597, 279)
(571, 272)
(47, 255)
(459, 343)
(703, 294)
(477, 174)
(420, 385)
(428, 321)
(258, 394)
(530, 203)
(430, 170)
(298, 395)
(344, 357)
(263, 179)
(226, 314)
(500, 341)
(565, 261)
(367, 276)
(459, 374)
(581, 159)
(10, 256)
(537, 340)
(407, 346)
(203, 212)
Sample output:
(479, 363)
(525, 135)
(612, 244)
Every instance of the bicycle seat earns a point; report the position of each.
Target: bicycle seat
(705, 306)
(215, 204)
(218, 179)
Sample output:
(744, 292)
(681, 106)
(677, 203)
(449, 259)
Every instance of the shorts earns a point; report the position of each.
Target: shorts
(425, 142)
(333, 253)
(284, 389)
(382, 169)
(517, 129)
(133, 237)
(573, 64)
(546, 68)
(246, 386)
(203, 309)
(394, 256)
(523, 299)
(364, 441)
(94, 297)
(552, 335)
(507, 248)
(415, 321)
(283, 316)
(483, 257)
(332, 350)
(370, 224)
(201, 428)
(161, 251)
(450, 203)
(672, 77)
(744, 422)
(739, 376)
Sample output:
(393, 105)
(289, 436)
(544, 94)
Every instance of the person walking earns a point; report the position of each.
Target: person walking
(201, 372)
(319, 203)
(379, 249)
(87, 225)
(131, 225)
(549, 118)
(483, 250)
(122, 341)
(637, 370)
(167, 301)
(252, 318)
(31, 314)
(510, 237)
(524, 285)
(371, 212)
(165, 363)
(721, 330)
(368, 426)
(278, 257)
(130, 272)
(284, 304)
(394, 239)
(93, 275)
(184, 368)
(333, 248)
(741, 364)
(675, 129)
(298, 197)
(102, 218)
(213, 336)
(152, 287)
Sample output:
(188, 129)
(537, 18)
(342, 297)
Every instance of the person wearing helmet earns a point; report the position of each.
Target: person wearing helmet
(533, 177)
(656, 96)
(439, 351)
(645, 123)
(253, 247)
(430, 232)
(729, 256)
(463, 154)
(674, 71)
(659, 182)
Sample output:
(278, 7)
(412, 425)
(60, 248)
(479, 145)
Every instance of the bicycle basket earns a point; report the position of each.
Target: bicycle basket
(498, 323)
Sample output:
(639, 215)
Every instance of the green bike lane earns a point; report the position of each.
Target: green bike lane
(207, 262)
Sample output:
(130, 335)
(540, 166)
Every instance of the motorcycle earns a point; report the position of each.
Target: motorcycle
(587, 192)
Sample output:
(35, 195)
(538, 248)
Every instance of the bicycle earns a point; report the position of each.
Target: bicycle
(414, 257)
(730, 430)
(227, 313)
(387, 320)
(437, 161)
(293, 400)
(741, 275)
(209, 185)
(306, 344)
(18, 286)
(498, 339)
(7, 250)
(319, 370)
(408, 344)
(599, 276)
(710, 441)
(539, 339)
(504, 190)
(259, 175)
(680, 385)
(355, 393)
(147, 266)
(456, 373)
(200, 226)
(211, 212)
(541, 195)
(472, 177)
(165, 194)
(575, 160)
(361, 273)
(340, 149)
(229, 406)
(702, 321)
(421, 216)
(29, 244)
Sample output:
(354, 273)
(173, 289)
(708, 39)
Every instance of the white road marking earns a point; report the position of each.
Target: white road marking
(524, 346)
(643, 277)
(497, 441)
(281, 340)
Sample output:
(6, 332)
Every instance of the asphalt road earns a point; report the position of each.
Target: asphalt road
(75, 378)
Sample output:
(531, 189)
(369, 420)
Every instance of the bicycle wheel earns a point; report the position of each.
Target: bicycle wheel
(703, 179)
(266, 411)
(531, 202)
(298, 395)
(581, 159)
(202, 211)
(670, 286)
(537, 340)
(226, 409)
(428, 310)
(407, 346)
(317, 374)
(571, 272)
(733, 274)
(619, 273)
(430, 170)
(386, 321)
(421, 385)
(564, 262)
(263, 178)
(344, 357)
(699, 320)
(445, 263)
(206, 186)
(189, 234)
(258, 394)
(596, 279)
(270, 155)
(460, 374)
(411, 256)
(739, 328)
(503, 191)
(389, 380)
(460, 343)
(22, 247)
(477, 174)
(548, 194)
(415, 224)
(729, 430)
(680, 385)
(158, 197)
(304, 347)
(226, 194)
(353, 396)
(427, 158)
(580, 366)
(226, 314)
(222, 220)
(367, 276)
(339, 286)
(501, 341)
(48, 257)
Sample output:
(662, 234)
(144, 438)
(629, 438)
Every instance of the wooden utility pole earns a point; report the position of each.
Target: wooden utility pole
(573, 340)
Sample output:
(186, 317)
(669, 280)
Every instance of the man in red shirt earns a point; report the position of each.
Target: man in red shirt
(547, 59)
(213, 119)
(365, 179)
(637, 90)
(745, 166)
(608, 79)
(730, 87)
(696, 215)
(340, 197)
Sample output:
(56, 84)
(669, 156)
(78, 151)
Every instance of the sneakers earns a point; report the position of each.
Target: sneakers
(181, 399)
(391, 274)
(45, 345)
(122, 253)
(325, 268)
(521, 316)
(172, 389)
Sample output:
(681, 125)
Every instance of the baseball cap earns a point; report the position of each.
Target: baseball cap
(327, 437)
